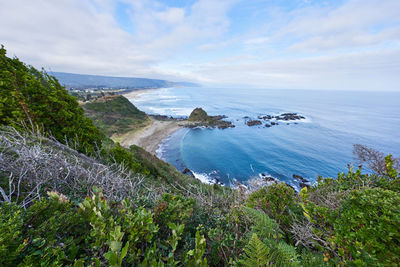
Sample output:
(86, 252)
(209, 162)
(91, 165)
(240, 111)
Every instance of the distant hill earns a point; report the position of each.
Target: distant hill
(97, 81)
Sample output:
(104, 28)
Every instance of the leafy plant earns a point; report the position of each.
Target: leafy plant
(256, 253)
(35, 99)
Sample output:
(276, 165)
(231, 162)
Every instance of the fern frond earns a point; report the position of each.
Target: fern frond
(264, 226)
(283, 254)
(256, 253)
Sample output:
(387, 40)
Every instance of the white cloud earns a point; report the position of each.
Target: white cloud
(355, 45)
(356, 23)
(257, 41)
(355, 71)
(78, 36)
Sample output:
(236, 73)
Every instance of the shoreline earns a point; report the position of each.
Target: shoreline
(136, 93)
(150, 137)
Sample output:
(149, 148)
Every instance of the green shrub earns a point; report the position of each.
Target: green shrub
(11, 237)
(278, 201)
(173, 209)
(123, 156)
(355, 225)
(366, 228)
(37, 99)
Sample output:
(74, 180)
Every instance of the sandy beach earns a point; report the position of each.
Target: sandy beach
(136, 93)
(151, 136)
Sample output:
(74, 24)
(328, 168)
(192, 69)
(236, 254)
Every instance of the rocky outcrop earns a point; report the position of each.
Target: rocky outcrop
(188, 172)
(289, 117)
(199, 117)
(283, 117)
(266, 117)
(198, 114)
(273, 120)
(253, 122)
(302, 181)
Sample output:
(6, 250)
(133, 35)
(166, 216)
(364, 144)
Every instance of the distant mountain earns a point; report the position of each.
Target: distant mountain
(90, 81)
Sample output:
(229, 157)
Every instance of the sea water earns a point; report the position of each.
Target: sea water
(321, 144)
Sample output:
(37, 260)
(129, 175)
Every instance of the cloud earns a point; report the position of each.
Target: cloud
(356, 23)
(355, 71)
(349, 40)
(309, 44)
(84, 36)
(257, 41)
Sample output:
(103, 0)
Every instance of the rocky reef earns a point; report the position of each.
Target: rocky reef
(272, 120)
(199, 117)
(253, 122)
(289, 117)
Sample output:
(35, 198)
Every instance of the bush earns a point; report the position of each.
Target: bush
(366, 228)
(278, 201)
(35, 99)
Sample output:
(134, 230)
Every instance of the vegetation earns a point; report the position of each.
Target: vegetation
(115, 115)
(34, 99)
(112, 206)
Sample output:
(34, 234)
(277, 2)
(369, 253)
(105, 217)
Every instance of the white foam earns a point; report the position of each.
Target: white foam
(204, 178)
(160, 151)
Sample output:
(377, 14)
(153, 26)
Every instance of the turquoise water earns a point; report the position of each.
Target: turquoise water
(319, 145)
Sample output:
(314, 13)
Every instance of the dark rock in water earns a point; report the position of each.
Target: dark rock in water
(301, 178)
(266, 117)
(270, 179)
(188, 172)
(246, 117)
(219, 117)
(303, 182)
(253, 122)
(267, 125)
(289, 117)
(273, 123)
(296, 176)
(218, 182)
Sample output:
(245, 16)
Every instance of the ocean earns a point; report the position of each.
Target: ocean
(321, 144)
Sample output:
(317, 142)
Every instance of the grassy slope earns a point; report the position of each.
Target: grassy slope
(115, 115)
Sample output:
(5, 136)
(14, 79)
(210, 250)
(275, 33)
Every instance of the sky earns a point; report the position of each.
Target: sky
(296, 44)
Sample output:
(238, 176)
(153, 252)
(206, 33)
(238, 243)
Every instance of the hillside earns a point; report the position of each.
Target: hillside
(115, 115)
(97, 81)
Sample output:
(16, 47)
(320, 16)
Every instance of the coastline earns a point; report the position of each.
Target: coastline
(134, 94)
(150, 137)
